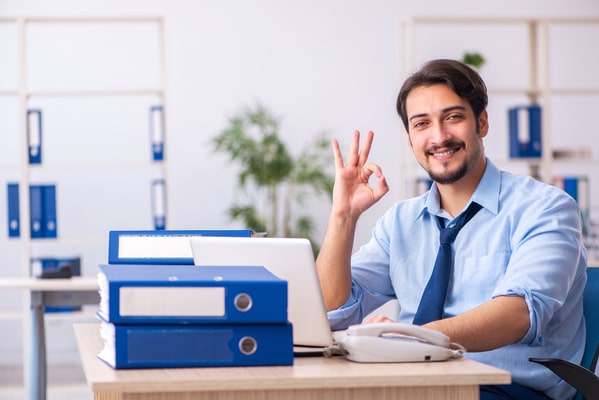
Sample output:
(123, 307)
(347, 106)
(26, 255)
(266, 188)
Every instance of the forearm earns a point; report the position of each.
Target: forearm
(496, 323)
(334, 261)
(352, 195)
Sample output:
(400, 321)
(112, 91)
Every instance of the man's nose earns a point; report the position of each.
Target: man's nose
(439, 134)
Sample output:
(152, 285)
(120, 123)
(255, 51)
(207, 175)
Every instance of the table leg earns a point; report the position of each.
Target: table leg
(37, 364)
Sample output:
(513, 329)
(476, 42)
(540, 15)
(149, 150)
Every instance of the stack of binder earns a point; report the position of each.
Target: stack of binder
(42, 210)
(167, 316)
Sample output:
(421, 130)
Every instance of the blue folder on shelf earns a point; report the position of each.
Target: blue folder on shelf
(525, 131)
(49, 211)
(159, 246)
(36, 211)
(157, 132)
(578, 188)
(34, 136)
(172, 346)
(159, 203)
(14, 214)
(42, 210)
(186, 294)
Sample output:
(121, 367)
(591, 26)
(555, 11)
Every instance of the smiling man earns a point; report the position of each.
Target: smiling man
(515, 267)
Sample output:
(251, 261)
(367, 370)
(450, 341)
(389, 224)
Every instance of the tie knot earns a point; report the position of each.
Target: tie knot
(448, 234)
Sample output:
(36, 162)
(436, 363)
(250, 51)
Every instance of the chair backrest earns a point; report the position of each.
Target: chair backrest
(591, 315)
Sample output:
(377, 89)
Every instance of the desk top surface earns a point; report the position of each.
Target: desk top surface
(307, 372)
(75, 283)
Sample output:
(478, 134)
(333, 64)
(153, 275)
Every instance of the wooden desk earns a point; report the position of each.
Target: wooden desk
(313, 378)
(76, 291)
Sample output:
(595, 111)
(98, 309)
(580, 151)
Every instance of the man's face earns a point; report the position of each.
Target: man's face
(443, 132)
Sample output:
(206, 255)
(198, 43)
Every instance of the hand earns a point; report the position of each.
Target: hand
(352, 194)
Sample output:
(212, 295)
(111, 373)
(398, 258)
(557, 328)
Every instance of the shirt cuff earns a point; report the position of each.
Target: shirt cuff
(532, 337)
(345, 315)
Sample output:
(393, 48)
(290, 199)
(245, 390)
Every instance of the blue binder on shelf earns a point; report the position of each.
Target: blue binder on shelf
(578, 188)
(34, 136)
(525, 131)
(157, 132)
(14, 213)
(49, 211)
(159, 203)
(187, 294)
(36, 211)
(42, 210)
(172, 346)
(160, 246)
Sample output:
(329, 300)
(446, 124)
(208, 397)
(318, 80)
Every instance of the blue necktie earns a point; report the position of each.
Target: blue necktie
(433, 298)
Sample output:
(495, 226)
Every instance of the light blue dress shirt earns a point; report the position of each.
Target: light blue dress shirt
(525, 241)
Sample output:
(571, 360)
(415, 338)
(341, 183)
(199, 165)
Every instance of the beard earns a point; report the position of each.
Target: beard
(448, 176)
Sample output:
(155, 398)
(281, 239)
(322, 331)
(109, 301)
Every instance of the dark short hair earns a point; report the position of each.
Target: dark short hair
(459, 77)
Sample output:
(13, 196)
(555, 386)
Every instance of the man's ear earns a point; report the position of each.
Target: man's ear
(409, 141)
(483, 123)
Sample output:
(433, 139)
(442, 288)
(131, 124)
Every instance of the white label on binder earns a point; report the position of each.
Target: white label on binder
(154, 247)
(157, 126)
(172, 301)
(158, 199)
(34, 132)
(524, 126)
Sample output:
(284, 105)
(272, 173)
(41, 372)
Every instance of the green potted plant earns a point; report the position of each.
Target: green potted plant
(474, 59)
(273, 183)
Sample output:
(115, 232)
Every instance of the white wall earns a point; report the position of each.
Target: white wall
(320, 64)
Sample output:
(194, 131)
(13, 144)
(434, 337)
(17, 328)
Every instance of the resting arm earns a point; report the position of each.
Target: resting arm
(501, 321)
(496, 323)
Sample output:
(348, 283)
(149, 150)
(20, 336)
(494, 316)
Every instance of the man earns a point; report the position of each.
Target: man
(519, 266)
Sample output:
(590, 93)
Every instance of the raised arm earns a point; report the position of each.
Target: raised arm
(352, 195)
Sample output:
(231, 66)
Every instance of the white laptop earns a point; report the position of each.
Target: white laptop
(290, 259)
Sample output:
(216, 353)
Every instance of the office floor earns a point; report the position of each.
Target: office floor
(64, 383)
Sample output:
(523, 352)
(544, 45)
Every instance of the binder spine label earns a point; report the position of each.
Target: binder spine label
(157, 132)
(159, 203)
(172, 301)
(34, 136)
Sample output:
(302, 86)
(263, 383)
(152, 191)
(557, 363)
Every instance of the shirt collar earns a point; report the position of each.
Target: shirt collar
(486, 193)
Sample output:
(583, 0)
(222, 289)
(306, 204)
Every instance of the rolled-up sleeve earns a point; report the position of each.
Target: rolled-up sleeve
(547, 265)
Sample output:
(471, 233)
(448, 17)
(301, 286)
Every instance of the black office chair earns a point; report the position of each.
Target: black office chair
(582, 377)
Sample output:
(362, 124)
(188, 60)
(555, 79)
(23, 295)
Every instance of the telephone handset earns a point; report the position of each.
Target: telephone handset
(395, 342)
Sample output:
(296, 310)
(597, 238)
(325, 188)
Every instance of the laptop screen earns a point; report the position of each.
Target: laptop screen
(290, 259)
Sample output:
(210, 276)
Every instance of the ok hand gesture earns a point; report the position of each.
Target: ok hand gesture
(352, 194)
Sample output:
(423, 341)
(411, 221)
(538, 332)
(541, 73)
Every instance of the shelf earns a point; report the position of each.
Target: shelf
(108, 166)
(95, 93)
(95, 137)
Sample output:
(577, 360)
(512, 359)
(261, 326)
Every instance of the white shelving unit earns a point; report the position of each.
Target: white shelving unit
(545, 61)
(95, 80)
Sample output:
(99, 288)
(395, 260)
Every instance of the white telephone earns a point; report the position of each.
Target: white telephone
(395, 342)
